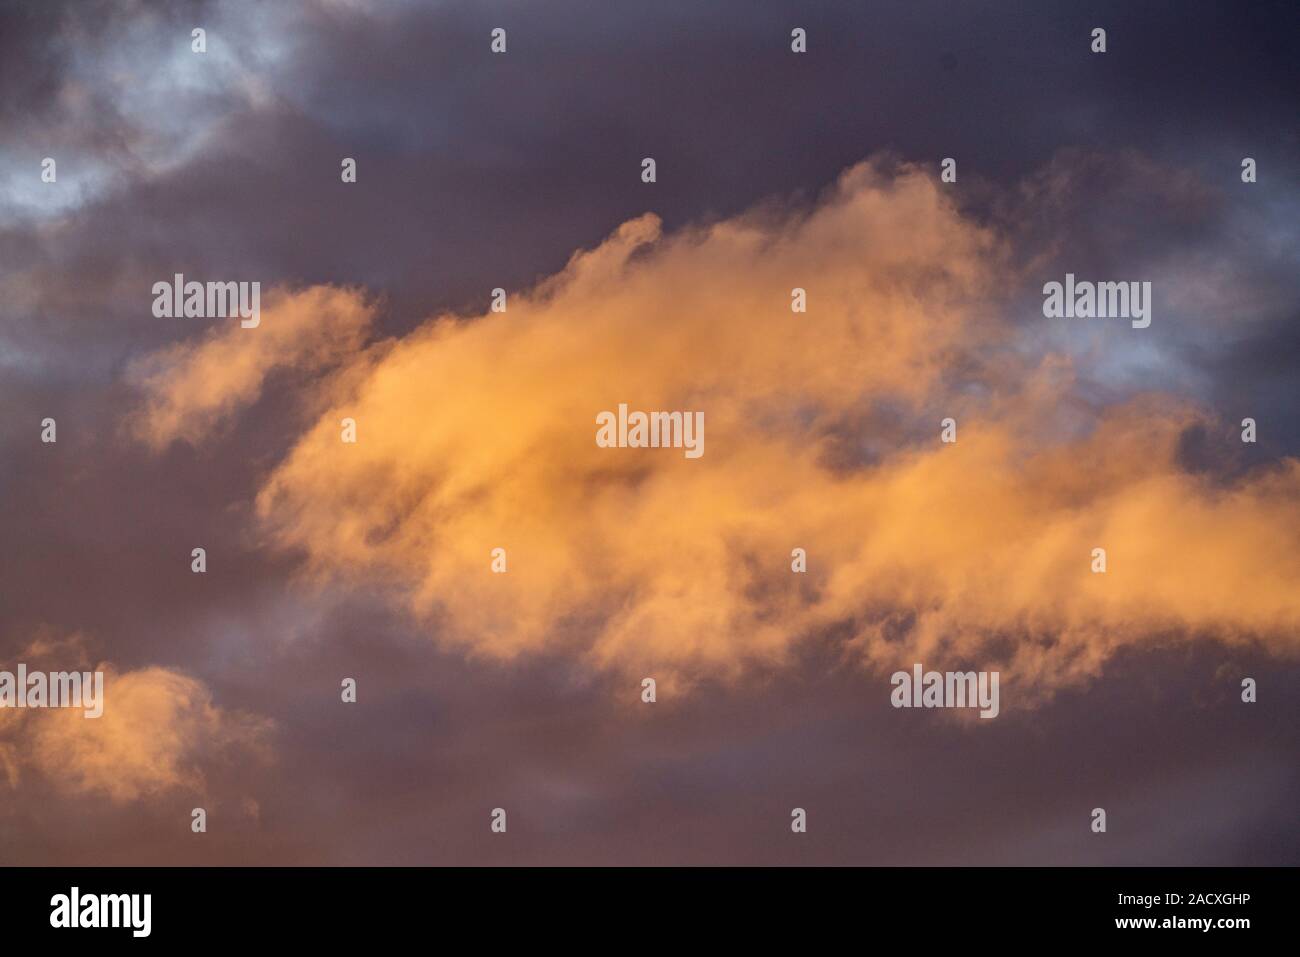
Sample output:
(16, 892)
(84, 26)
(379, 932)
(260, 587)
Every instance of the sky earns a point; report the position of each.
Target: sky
(475, 429)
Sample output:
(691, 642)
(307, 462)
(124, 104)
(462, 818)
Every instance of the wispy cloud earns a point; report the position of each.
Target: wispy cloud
(194, 389)
(159, 731)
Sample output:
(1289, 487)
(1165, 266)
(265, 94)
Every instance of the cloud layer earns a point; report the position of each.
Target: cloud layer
(822, 433)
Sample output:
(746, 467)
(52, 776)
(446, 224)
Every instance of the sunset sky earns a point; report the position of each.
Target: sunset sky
(476, 430)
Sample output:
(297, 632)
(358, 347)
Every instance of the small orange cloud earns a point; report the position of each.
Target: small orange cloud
(158, 730)
(191, 390)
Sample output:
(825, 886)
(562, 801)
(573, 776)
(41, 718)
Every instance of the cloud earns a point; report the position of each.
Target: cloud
(189, 390)
(822, 433)
(158, 731)
(114, 92)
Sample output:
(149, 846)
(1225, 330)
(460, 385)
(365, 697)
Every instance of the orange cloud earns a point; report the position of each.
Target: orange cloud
(191, 390)
(822, 433)
(158, 730)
